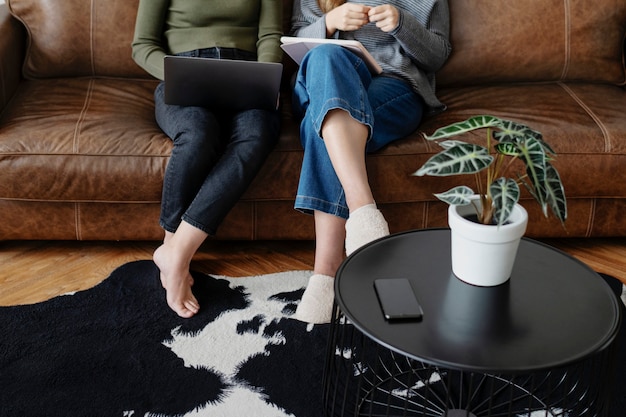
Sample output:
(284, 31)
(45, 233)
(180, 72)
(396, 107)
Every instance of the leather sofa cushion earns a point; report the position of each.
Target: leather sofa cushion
(105, 145)
(72, 38)
(104, 133)
(497, 41)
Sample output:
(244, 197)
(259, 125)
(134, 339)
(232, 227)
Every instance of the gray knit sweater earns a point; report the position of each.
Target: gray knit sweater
(417, 48)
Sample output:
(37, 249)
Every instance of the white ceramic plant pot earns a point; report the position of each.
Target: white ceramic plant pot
(484, 255)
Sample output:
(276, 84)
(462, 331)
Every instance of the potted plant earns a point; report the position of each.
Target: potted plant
(513, 154)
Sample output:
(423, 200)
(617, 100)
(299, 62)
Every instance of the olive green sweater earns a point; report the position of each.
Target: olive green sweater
(172, 26)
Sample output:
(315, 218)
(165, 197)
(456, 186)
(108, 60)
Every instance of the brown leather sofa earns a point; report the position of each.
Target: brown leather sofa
(82, 158)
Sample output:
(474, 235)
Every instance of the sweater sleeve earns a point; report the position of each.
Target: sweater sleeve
(307, 20)
(426, 40)
(148, 48)
(270, 31)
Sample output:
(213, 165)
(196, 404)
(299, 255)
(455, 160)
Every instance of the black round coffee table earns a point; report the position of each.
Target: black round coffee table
(542, 342)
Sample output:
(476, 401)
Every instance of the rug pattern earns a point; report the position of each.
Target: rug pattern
(118, 350)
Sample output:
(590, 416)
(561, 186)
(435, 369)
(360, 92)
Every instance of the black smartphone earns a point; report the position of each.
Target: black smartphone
(397, 299)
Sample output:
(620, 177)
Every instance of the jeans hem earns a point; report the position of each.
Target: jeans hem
(360, 116)
(166, 227)
(309, 204)
(189, 221)
(197, 225)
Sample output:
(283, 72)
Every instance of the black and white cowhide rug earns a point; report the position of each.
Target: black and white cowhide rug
(118, 350)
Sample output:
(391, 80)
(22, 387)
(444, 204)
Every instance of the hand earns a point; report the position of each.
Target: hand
(347, 17)
(386, 17)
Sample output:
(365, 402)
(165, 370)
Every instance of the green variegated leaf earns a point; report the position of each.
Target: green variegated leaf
(555, 194)
(447, 144)
(505, 193)
(463, 158)
(473, 123)
(508, 148)
(533, 155)
(457, 196)
(512, 132)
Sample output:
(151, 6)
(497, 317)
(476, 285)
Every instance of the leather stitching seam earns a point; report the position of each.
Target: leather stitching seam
(596, 119)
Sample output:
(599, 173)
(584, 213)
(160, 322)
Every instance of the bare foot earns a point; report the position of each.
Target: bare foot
(177, 281)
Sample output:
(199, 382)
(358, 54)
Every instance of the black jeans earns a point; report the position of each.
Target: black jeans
(215, 157)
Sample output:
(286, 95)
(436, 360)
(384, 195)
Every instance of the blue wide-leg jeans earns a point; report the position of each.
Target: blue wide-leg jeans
(215, 157)
(331, 77)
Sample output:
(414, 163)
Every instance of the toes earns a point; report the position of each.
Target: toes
(185, 308)
(192, 306)
(181, 299)
(184, 312)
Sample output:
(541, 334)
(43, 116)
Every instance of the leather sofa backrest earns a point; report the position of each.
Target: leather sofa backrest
(72, 38)
(497, 41)
(493, 41)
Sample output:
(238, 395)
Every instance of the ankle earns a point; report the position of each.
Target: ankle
(363, 207)
(168, 257)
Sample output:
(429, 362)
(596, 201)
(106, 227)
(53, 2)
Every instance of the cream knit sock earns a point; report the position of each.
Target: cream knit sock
(317, 301)
(364, 225)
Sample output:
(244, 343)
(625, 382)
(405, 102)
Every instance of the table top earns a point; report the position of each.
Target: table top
(554, 310)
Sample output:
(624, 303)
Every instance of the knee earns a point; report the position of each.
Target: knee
(326, 52)
(328, 62)
(195, 124)
(259, 127)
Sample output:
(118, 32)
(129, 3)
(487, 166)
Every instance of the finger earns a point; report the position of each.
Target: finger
(360, 7)
(352, 23)
(356, 19)
(384, 17)
(384, 26)
(375, 12)
(359, 12)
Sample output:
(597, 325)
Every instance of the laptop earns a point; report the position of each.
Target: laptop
(223, 84)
